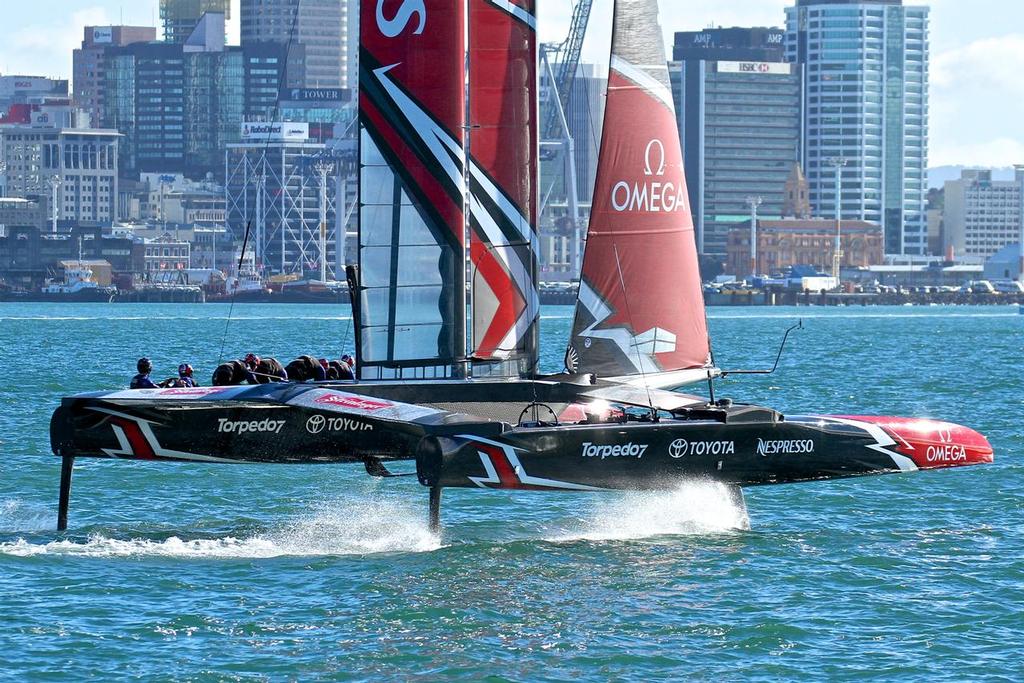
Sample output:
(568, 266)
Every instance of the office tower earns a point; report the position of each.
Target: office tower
(865, 95)
(178, 110)
(90, 65)
(982, 215)
(315, 32)
(180, 17)
(739, 120)
(55, 153)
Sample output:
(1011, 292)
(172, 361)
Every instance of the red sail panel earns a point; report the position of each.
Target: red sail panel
(412, 118)
(503, 148)
(641, 307)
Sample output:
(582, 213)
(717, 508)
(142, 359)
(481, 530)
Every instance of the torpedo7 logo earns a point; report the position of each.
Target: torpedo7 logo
(629, 450)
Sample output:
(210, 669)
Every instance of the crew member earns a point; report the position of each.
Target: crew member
(265, 370)
(231, 374)
(306, 369)
(187, 375)
(142, 380)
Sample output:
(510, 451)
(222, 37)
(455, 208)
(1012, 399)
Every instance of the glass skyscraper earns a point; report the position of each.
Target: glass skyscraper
(865, 93)
(738, 104)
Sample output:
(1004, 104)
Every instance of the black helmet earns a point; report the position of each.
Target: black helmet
(145, 366)
(185, 370)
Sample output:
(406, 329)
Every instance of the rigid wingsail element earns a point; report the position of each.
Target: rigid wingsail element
(641, 308)
(412, 117)
(503, 148)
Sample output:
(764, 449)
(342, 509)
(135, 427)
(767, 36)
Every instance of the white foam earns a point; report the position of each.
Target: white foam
(18, 516)
(695, 508)
(360, 528)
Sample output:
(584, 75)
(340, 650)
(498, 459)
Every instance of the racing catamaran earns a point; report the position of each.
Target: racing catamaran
(449, 198)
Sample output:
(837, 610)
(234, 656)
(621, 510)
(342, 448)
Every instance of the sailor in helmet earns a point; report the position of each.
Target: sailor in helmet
(142, 380)
(186, 376)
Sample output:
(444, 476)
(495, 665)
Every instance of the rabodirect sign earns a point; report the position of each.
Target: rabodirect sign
(285, 132)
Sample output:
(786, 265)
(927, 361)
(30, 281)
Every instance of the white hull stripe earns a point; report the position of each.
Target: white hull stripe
(884, 442)
(145, 426)
(524, 478)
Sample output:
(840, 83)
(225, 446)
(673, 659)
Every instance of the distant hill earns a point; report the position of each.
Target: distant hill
(938, 176)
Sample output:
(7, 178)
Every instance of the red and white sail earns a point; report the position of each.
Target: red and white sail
(641, 307)
(503, 199)
(412, 118)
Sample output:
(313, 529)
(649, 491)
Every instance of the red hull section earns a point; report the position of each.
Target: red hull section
(931, 444)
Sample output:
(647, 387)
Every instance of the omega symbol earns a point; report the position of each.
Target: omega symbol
(649, 170)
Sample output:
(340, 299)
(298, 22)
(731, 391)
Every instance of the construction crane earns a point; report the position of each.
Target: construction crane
(567, 56)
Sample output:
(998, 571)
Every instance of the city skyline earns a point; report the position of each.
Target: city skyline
(977, 91)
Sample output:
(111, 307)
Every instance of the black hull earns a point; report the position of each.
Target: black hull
(460, 436)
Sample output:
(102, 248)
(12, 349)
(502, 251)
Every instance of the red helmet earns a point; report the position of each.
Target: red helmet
(252, 360)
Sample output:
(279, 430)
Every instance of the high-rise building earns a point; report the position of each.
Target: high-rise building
(739, 122)
(180, 17)
(179, 109)
(865, 94)
(57, 153)
(982, 215)
(316, 33)
(90, 66)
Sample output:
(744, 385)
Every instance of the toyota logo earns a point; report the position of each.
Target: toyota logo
(316, 424)
(679, 448)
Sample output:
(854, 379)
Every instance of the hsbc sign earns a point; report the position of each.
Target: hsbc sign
(774, 68)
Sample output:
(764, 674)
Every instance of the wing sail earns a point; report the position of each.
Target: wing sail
(503, 147)
(412, 118)
(641, 307)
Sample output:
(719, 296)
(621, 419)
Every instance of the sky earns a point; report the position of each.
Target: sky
(977, 68)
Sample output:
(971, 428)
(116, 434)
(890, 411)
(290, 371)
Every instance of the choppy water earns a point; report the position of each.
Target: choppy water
(207, 573)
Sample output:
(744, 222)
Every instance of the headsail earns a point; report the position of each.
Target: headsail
(412, 117)
(640, 308)
(503, 147)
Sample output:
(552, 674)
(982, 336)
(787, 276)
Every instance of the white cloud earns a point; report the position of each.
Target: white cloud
(977, 103)
(31, 50)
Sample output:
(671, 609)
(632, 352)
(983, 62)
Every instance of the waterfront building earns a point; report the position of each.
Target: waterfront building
(89, 63)
(28, 256)
(165, 254)
(982, 216)
(317, 32)
(865, 113)
(739, 120)
(33, 212)
(273, 189)
(54, 152)
(792, 242)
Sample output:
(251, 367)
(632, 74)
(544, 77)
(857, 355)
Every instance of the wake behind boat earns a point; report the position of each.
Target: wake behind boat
(451, 380)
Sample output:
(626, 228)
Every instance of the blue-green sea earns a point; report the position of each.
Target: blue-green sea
(198, 572)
